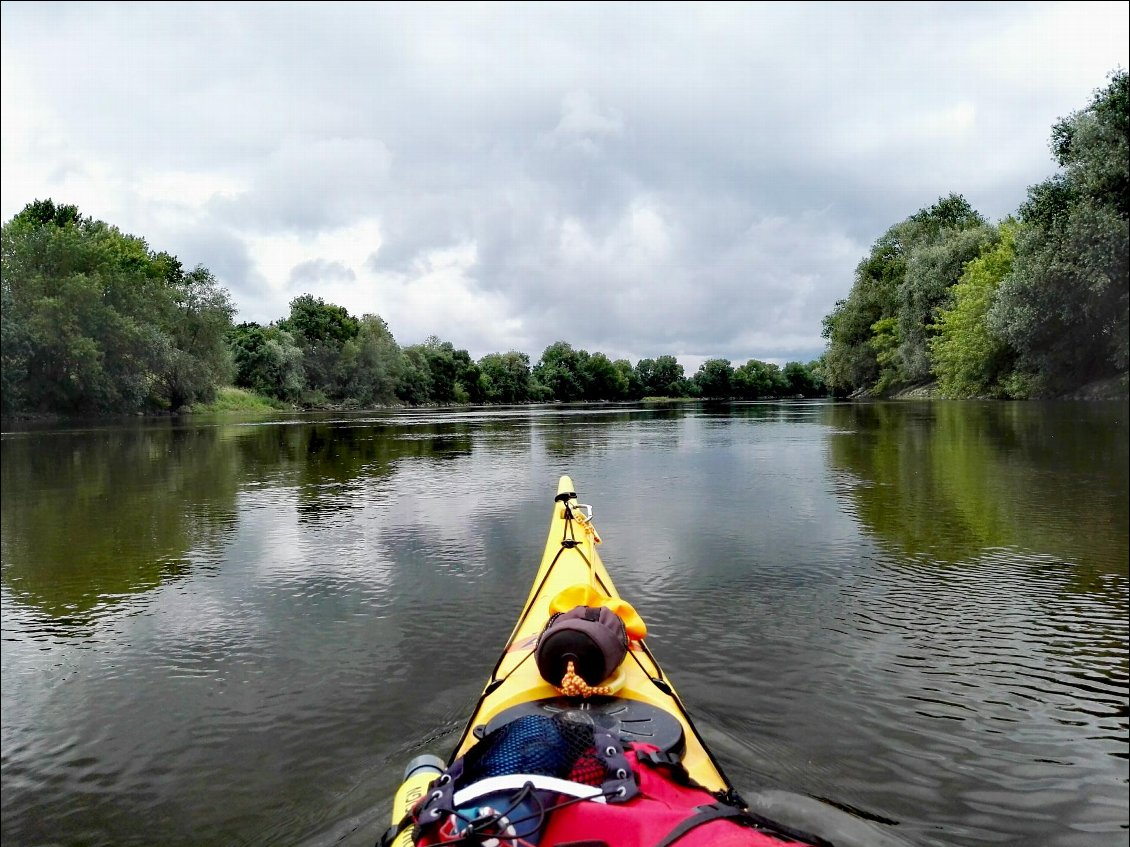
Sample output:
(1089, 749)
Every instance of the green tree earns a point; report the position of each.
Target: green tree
(415, 385)
(670, 380)
(267, 361)
(96, 322)
(16, 350)
(934, 265)
(905, 278)
(851, 361)
(628, 377)
(468, 386)
(714, 378)
(1064, 307)
(645, 377)
(317, 321)
(197, 354)
(321, 330)
(440, 356)
(801, 380)
(754, 380)
(372, 363)
(505, 377)
(969, 360)
(885, 343)
(601, 379)
(661, 377)
(561, 370)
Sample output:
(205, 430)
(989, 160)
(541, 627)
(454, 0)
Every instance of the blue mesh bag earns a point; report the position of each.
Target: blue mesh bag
(534, 744)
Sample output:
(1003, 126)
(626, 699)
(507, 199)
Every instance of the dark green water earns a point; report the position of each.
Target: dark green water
(238, 632)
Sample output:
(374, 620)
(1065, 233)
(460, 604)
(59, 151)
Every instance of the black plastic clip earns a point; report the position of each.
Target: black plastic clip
(659, 758)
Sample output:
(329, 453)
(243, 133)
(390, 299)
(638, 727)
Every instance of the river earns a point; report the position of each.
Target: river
(222, 631)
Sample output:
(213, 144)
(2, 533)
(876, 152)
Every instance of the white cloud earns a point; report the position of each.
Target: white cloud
(580, 115)
(276, 256)
(442, 298)
(694, 179)
(189, 191)
(1061, 48)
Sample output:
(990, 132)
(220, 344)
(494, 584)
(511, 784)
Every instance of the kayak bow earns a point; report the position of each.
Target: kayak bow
(671, 789)
(571, 559)
(637, 693)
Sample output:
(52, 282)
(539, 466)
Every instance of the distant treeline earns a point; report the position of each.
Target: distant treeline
(320, 354)
(1035, 305)
(94, 322)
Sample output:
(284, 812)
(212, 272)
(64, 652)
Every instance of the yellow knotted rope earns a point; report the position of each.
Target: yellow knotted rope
(585, 520)
(574, 685)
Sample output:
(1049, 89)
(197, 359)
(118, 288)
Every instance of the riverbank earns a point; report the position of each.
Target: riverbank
(1116, 388)
(232, 400)
(1113, 388)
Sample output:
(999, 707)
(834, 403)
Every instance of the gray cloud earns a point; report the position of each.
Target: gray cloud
(307, 274)
(309, 186)
(696, 179)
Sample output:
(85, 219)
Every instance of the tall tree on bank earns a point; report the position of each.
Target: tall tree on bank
(853, 359)
(372, 364)
(94, 322)
(267, 361)
(505, 378)
(197, 357)
(321, 331)
(878, 337)
(756, 379)
(714, 378)
(941, 240)
(561, 370)
(969, 359)
(1063, 307)
(662, 377)
(1041, 314)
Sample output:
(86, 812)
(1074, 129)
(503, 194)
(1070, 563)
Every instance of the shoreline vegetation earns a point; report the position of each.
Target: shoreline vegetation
(237, 402)
(1033, 306)
(240, 402)
(1111, 388)
(945, 305)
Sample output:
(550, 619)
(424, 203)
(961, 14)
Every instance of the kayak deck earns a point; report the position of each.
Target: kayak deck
(642, 697)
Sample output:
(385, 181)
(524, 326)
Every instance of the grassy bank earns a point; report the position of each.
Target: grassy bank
(232, 399)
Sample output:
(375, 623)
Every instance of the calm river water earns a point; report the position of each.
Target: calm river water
(236, 632)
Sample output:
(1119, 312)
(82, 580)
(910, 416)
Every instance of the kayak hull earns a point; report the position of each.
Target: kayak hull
(640, 696)
(571, 558)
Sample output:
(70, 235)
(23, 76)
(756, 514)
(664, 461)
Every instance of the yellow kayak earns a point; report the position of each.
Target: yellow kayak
(578, 736)
(571, 559)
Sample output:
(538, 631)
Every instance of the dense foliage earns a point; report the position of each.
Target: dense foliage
(94, 322)
(1029, 307)
(371, 369)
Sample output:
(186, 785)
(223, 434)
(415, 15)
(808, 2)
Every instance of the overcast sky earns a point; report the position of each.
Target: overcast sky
(636, 179)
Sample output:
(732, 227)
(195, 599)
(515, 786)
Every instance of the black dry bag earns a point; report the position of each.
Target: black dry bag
(593, 638)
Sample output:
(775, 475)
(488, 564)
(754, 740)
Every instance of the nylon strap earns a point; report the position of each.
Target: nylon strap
(703, 815)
